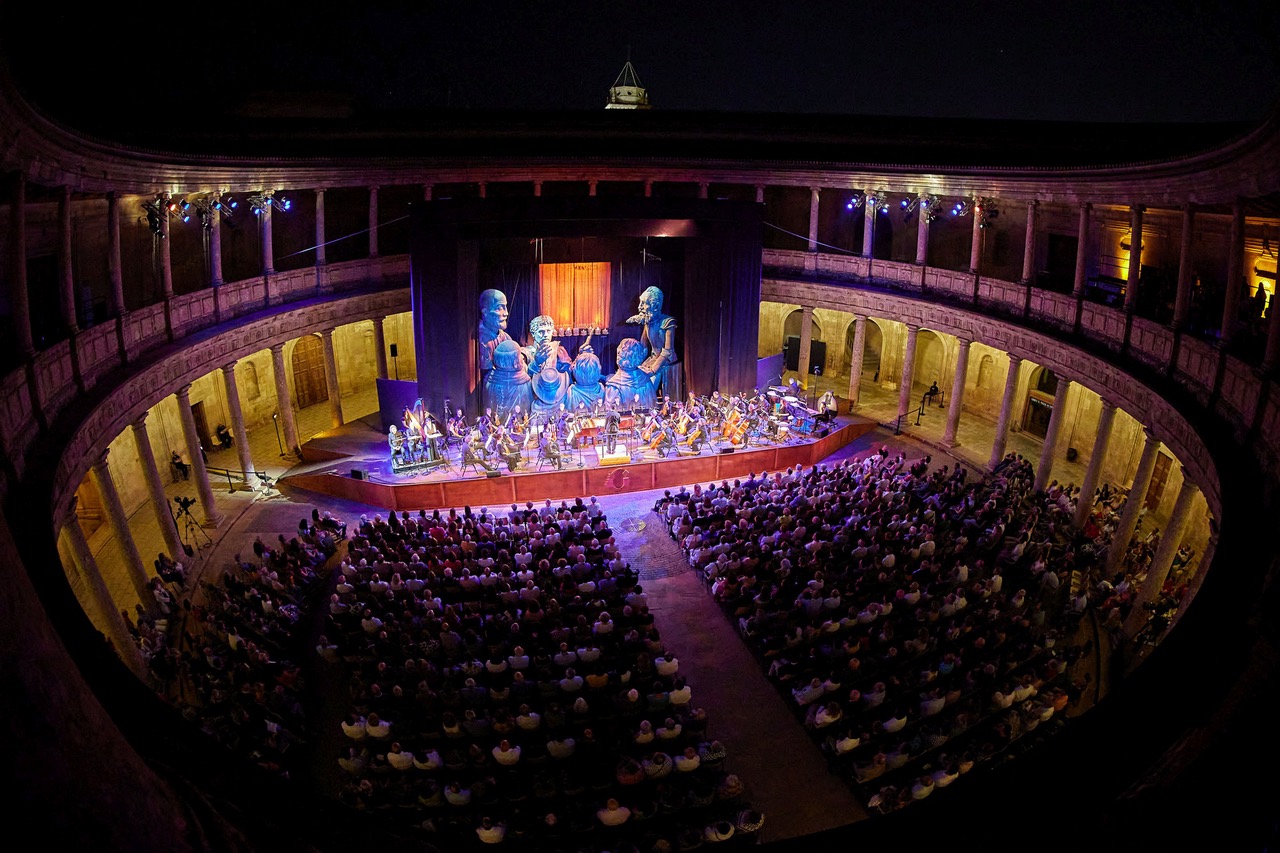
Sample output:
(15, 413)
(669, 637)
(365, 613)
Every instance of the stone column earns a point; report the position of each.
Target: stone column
(1044, 467)
(806, 345)
(380, 346)
(268, 245)
(1133, 504)
(117, 631)
(922, 230)
(975, 245)
(331, 379)
(66, 275)
(320, 238)
(759, 194)
(537, 189)
(166, 256)
(373, 222)
(648, 187)
(1135, 258)
(482, 187)
(215, 247)
(155, 488)
(19, 299)
(119, 522)
(283, 405)
(908, 370)
(1158, 572)
(957, 393)
(1096, 457)
(212, 518)
(427, 191)
(237, 425)
(813, 219)
(1029, 246)
(1182, 302)
(593, 185)
(859, 351)
(704, 188)
(1235, 277)
(115, 274)
(869, 204)
(1006, 412)
(1082, 250)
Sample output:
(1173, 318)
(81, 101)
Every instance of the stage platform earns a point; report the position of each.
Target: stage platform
(330, 458)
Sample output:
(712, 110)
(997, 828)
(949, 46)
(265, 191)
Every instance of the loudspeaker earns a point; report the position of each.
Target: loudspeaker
(359, 474)
(394, 351)
(817, 354)
(727, 449)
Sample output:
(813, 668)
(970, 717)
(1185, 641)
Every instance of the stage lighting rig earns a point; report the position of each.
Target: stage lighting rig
(877, 200)
(158, 210)
(924, 204)
(207, 205)
(267, 198)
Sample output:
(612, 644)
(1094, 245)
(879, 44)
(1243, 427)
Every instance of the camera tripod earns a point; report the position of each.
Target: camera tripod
(190, 530)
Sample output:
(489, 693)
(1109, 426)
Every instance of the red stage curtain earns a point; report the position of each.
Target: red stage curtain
(575, 295)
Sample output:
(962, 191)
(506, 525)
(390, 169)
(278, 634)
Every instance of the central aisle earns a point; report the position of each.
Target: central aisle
(785, 772)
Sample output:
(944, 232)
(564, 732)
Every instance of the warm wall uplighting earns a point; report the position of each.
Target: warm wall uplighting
(575, 295)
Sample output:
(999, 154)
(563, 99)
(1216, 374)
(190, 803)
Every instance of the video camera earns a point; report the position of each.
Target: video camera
(184, 504)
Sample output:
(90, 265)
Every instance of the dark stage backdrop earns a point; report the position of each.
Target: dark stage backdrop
(704, 255)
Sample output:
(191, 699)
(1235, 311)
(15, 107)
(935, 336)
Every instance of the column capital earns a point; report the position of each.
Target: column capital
(1033, 203)
(319, 190)
(912, 327)
(815, 190)
(1138, 208)
(327, 334)
(100, 464)
(1187, 207)
(184, 393)
(806, 309)
(1107, 405)
(1014, 360)
(277, 347)
(379, 320)
(373, 188)
(964, 343)
(229, 369)
(1150, 435)
(141, 422)
(1086, 206)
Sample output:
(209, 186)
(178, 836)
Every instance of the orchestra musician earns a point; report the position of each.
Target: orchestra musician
(508, 450)
(473, 452)
(395, 440)
(456, 428)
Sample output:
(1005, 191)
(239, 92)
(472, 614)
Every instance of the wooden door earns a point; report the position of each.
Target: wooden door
(202, 424)
(308, 371)
(1158, 478)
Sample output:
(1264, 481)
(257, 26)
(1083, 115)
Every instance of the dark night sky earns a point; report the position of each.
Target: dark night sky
(1139, 60)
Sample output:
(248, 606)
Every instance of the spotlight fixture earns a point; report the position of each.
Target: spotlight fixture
(924, 204)
(207, 205)
(871, 201)
(267, 198)
(980, 206)
(157, 210)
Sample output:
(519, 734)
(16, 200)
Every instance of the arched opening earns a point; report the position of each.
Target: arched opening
(871, 355)
(308, 371)
(791, 340)
(1040, 391)
(931, 357)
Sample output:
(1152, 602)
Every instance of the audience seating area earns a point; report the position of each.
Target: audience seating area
(916, 621)
(508, 683)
